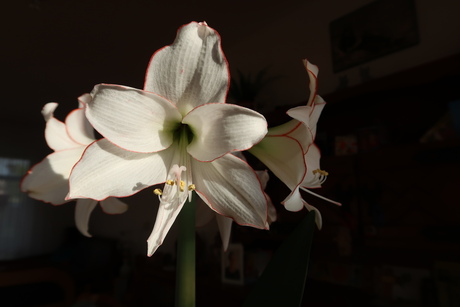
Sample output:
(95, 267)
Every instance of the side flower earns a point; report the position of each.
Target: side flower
(179, 132)
(289, 151)
(48, 180)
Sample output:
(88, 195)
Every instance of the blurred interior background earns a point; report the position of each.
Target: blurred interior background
(390, 72)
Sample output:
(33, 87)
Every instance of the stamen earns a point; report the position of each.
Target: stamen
(320, 177)
(191, 187)
(322, 172)
(175, 186)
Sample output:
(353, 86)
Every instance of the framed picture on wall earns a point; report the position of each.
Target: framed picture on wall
(232, 265)
(377, 29)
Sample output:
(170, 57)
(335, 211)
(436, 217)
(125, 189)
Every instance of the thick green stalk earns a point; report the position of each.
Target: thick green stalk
(185, 271)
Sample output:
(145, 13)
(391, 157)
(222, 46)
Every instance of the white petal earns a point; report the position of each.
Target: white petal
(309, 115)
(55, 132)
(133, 119)
(301, 113)
(294, 201)
(313, 75)
(284, 129)
(293, 129)
(221, 128)
(263, 177)
(167, 214)
(318, 218)
(78, 127)
(318, 107)
(106, 170)
(192, 71)
(284, 157)
(48, 110)
(225, 229)
(312, 158)
(83, 100)
(48, 180)
(83, 210)
(272, 215)
(231, 188)
(113, 205)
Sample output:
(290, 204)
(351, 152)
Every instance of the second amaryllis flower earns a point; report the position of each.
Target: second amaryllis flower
(290, 153)
(178, 131)
(48, 180)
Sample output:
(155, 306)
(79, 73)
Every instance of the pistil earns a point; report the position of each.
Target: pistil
(178, 185)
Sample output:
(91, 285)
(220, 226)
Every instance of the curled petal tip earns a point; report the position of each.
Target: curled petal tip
(151, 249)
(48, 110)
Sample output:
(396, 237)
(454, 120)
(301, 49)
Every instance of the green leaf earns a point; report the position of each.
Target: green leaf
(283, 281)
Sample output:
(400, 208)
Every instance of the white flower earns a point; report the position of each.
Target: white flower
(289, 151)
(178, 131)
(48, 180)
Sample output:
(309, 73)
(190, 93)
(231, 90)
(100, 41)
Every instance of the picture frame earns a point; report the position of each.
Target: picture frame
(369, 33)
(233, 264)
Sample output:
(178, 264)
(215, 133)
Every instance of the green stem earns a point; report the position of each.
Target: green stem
(185, 271)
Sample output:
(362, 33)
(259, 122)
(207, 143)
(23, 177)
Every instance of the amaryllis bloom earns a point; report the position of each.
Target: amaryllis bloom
(178, 131)
(289, 151)
(48, 180)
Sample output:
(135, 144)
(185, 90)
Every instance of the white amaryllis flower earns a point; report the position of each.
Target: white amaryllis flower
(289, 151)
(48, 180)
(178, 131)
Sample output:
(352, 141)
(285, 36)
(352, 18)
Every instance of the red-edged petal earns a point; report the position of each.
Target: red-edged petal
(192, 71)
(133, 119)
(284, 157)
(106, 170)
(48, 180)
(230, 187)
(55, 132)
(220, 128)
(78, 127)
(167, 214)
(312, 71)
(264, 177)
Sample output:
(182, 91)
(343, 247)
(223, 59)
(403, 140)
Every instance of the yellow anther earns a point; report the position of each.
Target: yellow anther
(191, 187)
(170, 182)
(182, 185)
(158, 192)
(321, 172)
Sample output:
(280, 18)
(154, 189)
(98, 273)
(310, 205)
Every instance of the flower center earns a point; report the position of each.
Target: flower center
(178, 184)
(175, 187)
(183, 134)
